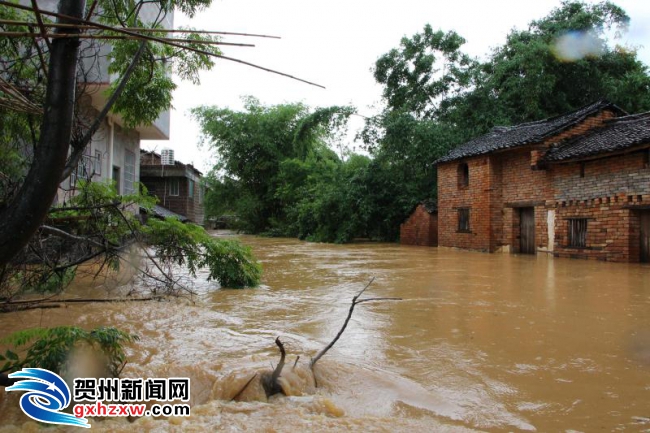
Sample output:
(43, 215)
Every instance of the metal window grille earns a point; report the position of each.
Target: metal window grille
(83, 171)
(578, 232)
(129, 172)
(98, 162)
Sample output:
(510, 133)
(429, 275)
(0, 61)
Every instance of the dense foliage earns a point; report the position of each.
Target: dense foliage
(98, 224)
(227, 261)
(52, 348)
(275, 167)
(47, 85)
(436, 97)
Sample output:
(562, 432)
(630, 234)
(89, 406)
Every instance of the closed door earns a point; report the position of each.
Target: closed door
(527, 230)
(645, 237)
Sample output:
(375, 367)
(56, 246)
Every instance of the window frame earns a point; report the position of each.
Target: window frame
(464, 217)
(129, 175)
(577, 230)
(174, 184)
(98, 163)
(462, 173)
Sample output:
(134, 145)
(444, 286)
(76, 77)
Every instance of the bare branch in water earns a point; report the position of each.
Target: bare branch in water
(241, 391)
(355, 301)
(270, 381)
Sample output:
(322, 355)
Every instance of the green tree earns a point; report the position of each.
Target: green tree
(43, 117)
(251, 147)
(561, 62)
(437, 97)
(425, 71)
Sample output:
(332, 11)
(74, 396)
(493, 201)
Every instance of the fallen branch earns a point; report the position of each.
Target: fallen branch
(270, 381)
(45, 303)
(241, 391)
(355, 302)
(79, 300)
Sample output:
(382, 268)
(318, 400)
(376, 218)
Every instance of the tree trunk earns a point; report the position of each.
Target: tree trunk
(24, 214)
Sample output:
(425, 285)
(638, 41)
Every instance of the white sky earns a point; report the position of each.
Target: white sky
(335, 43)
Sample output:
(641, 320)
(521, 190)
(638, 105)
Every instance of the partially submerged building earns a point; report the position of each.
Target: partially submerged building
(421, 227)
(177, 186)
(575, 185)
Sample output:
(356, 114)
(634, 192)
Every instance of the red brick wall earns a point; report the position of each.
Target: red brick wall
(604, 195)
(608, 177)
(612, 232)
(421, 228)
(501, 183)
(523, 186)
(476, 197)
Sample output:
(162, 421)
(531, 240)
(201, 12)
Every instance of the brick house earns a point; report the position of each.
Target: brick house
(177, 186)
(575, 185)
(421, 227)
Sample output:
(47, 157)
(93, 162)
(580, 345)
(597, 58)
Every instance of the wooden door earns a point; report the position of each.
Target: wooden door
(645, 236)
(527, 230)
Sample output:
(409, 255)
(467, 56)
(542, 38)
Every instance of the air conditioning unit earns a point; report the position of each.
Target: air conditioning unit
(167, 157)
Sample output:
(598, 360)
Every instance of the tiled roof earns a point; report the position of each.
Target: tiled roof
(618, 134)
(506, 137)
(430, 206)
(162, 212)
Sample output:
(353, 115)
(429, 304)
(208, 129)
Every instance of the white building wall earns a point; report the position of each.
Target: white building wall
(112, 140)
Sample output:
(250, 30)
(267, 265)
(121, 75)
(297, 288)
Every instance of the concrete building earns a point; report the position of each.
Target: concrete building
(576, 185)
(114, 151)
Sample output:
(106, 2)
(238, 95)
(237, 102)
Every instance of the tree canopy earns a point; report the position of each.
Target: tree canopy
(265, 153)
(46, 125)
(435, 97)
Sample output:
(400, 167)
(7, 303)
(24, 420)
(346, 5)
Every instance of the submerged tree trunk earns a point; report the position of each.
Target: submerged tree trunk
(20, 219)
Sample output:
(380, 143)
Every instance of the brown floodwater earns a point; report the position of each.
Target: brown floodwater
(478, 342)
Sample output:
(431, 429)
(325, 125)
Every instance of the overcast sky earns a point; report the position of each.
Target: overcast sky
(335, 43)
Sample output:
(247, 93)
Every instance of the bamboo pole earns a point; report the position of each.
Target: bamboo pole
(155, 39)
(39, 20)
(93, 36)
(142, 29)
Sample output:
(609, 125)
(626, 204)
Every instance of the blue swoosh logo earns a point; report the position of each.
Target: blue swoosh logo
(47, 394)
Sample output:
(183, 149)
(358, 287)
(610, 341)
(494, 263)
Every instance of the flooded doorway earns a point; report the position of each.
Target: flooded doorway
(527, 230)
(645, 236)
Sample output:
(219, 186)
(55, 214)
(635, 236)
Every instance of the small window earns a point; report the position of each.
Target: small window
(191, 188)
(463, 220)
(81, 171)
(173, 187)
(129, 172)
(578, 232)
(463, 175)
(582, 169)
(646, 158)
(98, 162)
(116, 179)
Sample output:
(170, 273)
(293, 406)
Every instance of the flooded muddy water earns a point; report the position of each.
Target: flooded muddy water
(478, 343)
